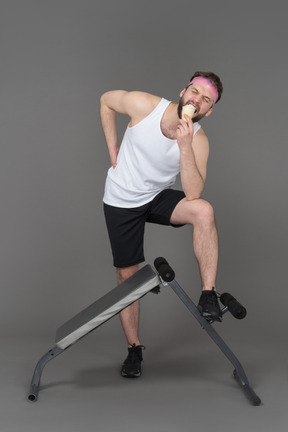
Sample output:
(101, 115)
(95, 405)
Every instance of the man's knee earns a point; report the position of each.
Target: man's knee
(203, 212)
(126, 273)
(206, 211)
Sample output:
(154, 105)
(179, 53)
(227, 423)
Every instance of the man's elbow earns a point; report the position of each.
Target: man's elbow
(192, 197)
(195, 194)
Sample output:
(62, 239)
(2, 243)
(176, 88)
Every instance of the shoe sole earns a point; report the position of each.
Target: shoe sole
(124, 375)
(209, 316)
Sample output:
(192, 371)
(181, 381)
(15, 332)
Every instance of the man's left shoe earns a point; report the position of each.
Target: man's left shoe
(131, 368)
(209, 305)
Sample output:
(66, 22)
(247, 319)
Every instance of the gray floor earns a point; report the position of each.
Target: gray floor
(186, 385)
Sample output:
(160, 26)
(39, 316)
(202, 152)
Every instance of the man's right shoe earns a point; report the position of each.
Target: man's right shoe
(131, 368)
(209, 306)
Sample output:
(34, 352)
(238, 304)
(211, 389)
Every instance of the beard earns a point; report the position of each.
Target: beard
(179, 112)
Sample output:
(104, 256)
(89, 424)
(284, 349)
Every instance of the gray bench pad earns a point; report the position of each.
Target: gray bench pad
(107, 306)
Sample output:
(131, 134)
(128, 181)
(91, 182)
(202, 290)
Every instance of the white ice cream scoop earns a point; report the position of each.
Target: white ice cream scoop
(188, 110)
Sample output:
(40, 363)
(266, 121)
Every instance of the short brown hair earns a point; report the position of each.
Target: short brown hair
(213, 78)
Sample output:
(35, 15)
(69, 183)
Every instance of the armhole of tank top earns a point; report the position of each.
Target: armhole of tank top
(198, 127)
(161, 102)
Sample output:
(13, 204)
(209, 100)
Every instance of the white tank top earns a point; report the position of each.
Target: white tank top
(147, 163)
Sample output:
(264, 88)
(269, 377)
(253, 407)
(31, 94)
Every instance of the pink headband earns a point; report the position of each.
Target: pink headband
(209, 84)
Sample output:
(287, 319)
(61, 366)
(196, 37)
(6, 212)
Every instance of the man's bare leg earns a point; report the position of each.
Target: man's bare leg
(131, 368)
(130, 316)
(200, 214)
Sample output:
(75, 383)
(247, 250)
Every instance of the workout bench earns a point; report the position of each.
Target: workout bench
(147, 279)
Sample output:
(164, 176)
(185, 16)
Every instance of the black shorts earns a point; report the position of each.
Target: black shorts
(126, 225)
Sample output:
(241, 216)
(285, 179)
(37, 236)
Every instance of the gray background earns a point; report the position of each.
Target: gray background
(57, 58)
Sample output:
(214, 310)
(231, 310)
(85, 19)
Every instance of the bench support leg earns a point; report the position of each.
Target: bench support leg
(35, 382)
(239, 373)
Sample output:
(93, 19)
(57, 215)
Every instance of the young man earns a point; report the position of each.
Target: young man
(159, 143)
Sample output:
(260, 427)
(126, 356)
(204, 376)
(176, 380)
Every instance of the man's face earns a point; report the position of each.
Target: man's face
(200, 96)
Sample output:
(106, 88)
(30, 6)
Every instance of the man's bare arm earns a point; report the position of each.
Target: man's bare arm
(194, 152)
(137, 105)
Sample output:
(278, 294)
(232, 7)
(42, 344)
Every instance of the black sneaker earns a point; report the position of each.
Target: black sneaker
(209, 306)
(131, 367)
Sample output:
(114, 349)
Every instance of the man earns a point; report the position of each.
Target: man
(157, 145)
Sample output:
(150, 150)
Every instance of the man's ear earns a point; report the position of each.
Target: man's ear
(182, 92)
(209, 112)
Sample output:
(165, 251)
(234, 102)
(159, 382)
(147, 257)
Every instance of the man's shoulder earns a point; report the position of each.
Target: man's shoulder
(141, 104)
(201, 134)
(142, 100)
